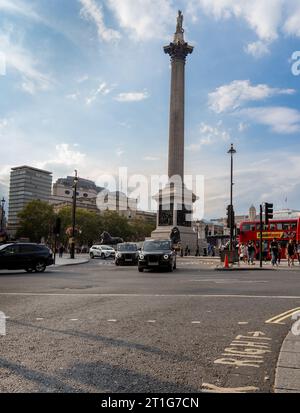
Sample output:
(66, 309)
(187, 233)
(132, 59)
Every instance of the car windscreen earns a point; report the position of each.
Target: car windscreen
(157, 245)
(107, 248)
(2, 247)
(127, 248)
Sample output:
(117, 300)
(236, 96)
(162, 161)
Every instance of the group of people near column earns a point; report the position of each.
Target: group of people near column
(249, 251)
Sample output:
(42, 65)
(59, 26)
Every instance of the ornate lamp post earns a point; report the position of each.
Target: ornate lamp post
(2, 215)
(74, 215)
(232, 152)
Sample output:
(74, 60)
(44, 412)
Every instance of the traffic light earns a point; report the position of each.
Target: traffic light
(230, 217)
(268, 212)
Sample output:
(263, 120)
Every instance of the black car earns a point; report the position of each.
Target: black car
(127, 254)
(157, 254)
(25, 256)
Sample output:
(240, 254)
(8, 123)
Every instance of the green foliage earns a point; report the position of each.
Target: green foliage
(36, 221)
(38, 218)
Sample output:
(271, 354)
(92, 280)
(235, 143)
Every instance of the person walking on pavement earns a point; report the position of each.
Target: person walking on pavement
(251, 253)
(291, 251)
(265, 251)
(298, 252)
(274, 252)
(61, 251)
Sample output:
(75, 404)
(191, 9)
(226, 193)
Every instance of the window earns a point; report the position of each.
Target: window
(279, 227)
(28, 248)
(273, 227)
(67, 192)
(246, 227)
(85, 195)
(13, 249)
(285, 227)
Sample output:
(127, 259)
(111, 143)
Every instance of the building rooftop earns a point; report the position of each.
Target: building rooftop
(32, 168)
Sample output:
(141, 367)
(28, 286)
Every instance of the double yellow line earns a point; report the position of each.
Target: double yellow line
(281, 317)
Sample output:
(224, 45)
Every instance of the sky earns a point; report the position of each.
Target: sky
(84, 84)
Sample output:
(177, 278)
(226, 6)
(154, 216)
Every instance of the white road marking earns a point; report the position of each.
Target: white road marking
(211, 388)
(151, 321)
(73, 319)
(39, 319)
(196, 322)
(283, 297)
(243, 323)
(112, 321)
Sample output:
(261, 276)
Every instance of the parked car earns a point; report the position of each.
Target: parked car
(25, 256)
(157, 254)
(102, 251)
(127, 254)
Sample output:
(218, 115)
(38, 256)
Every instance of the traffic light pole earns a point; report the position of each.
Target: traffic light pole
(261, 236)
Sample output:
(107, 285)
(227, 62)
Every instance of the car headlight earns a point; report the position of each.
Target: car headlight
(119, 255)
(141, 256)
(166, 257)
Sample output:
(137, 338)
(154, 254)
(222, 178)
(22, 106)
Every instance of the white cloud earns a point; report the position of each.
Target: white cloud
(267, 18)
(235, 94)
(21, 60)
(93, 12)
(66, 155)
(151, 158)
(280, 119)
(17, 7)
(144, 19)
(132, 96)
(102, 90)
(209, 135)
(257, 49)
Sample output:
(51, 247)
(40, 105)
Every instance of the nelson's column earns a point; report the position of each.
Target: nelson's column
(175, 200)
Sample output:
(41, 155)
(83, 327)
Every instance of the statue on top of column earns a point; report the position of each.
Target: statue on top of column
(179, 28)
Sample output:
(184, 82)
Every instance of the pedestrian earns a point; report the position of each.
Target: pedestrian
(274, 252)
(61, 251)
(197, 252)
(186, 251)
(298, 252)
(291, 251)
(251, 253)
(265, 248)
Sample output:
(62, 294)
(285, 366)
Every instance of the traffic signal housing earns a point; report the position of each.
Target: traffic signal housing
(230, 217)
(269, 212)
(57, 227)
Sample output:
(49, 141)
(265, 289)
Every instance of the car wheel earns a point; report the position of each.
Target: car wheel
(92, 255)
(40, 266)
(141, 269)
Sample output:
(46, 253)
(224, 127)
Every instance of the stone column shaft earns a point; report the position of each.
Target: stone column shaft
(176, 127)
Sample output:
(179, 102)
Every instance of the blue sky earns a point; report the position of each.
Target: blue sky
(87, 87)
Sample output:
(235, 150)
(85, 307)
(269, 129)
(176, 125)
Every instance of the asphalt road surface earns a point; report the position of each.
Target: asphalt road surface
(100, 328)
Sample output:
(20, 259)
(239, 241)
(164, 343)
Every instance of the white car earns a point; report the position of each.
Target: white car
(102, 251)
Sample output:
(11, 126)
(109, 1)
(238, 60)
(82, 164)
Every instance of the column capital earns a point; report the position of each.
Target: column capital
(178, 51)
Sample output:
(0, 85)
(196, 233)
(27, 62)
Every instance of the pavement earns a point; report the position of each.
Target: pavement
(100, 328)
(66, 260)
(287, 379)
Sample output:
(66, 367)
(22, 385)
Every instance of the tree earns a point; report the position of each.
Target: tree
(117, 225)
(141, 229)
(89, 225)
(36, 221)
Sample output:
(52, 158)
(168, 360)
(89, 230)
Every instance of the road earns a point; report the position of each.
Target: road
(100, 328)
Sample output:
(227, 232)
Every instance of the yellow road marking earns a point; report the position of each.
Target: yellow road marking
(283, 316)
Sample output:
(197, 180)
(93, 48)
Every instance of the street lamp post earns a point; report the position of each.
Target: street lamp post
(2, 215)
(232, 152)
(74, 215)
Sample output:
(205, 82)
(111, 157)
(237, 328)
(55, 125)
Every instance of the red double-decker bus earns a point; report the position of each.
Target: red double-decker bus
(282, 230)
